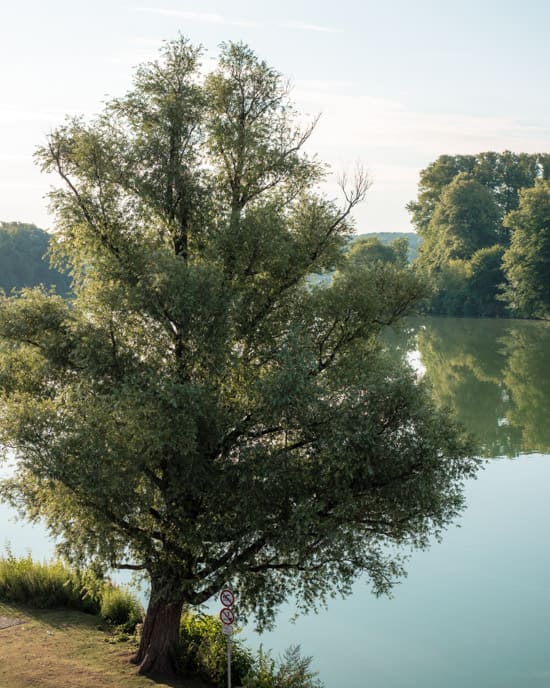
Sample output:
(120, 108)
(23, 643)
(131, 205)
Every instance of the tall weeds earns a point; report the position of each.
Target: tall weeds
(51, 584)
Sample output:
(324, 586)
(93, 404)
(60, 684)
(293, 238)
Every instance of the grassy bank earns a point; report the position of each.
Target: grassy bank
(63, 648)
(63, 628)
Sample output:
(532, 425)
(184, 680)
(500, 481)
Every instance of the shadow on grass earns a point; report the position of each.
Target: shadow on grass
(92, 642)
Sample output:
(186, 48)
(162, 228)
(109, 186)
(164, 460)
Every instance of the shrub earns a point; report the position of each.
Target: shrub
(91, 583)
(292, 671)
(120, 608)
(204, 650)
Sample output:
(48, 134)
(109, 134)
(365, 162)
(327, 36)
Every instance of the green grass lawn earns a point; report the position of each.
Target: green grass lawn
(68, 649)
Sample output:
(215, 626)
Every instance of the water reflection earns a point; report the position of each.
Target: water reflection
(495, 375)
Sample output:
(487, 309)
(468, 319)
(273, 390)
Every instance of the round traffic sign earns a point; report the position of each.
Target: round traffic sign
(227, 616)
(227, 597)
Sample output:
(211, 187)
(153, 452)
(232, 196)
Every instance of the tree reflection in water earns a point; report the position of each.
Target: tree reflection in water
(495, 375)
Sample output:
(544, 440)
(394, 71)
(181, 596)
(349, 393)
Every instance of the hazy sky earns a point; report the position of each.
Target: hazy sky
(398, 82)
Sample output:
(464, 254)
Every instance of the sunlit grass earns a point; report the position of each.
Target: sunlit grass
(50, 585)
(68, 649)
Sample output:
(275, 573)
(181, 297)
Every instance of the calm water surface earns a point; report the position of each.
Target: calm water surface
(475, 609)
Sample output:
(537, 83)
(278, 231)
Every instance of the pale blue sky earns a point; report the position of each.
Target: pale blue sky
(397, 82)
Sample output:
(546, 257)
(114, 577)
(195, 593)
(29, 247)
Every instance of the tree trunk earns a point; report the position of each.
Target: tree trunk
(158, 648)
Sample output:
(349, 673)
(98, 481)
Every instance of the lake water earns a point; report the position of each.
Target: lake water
(474, 611)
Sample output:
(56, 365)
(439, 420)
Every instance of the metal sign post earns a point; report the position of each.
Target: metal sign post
(227, 618)
(228, 639)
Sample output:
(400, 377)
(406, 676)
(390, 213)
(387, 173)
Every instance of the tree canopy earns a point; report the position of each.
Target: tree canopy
(465, 220)
(463, 213)
(502, 174)
(200, 411)
(370, 250)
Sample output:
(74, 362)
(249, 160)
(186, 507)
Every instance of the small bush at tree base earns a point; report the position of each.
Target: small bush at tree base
(203, 650)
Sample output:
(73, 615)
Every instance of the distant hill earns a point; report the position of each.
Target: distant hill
(22, 259)
(387, 237)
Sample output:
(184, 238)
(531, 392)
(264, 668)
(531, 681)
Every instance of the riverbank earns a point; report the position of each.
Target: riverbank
(67, 649)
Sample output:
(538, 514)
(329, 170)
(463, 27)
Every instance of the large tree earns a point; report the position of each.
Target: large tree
(466, 219)
(200, 411)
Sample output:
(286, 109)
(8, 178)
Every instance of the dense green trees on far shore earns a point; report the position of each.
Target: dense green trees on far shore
(413, 240)
(483, 219)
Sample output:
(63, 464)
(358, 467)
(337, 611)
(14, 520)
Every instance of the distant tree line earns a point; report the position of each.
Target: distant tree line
(485, 224)
(482, 237)
(23, 259)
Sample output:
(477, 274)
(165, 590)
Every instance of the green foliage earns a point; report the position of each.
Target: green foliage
(413, 240)
(371, 249)
(470, 287)
(200, 410)
(502, 174)
(43, 585)
(461, 213)
(399, 248)
(120, 608)
(527, 261)
(291, 671)
(52, 584)
(433, 180)
(204, 650)
(485, 283)
(450, 287)
(47, 584)
(464, 221)
(23, 261)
